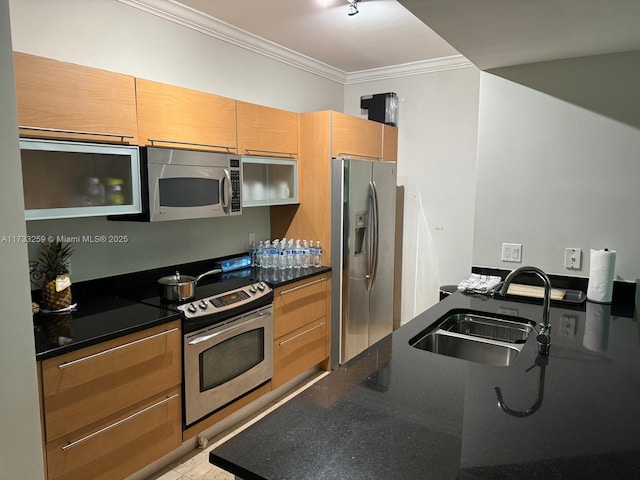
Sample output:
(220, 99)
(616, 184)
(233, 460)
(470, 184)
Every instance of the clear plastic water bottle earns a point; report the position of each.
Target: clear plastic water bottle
(282, 254)
(264, 263)
(312, 254)
(318, 259)
(306, 254)
(275, 248)
(289, 254)
(297, 255)
(256, 254)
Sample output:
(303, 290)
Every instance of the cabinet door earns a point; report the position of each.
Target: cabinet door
(170, 116)
(299, 304)
(121, 444)
(62, 100)
(300, 350)
(85, 386)
(267, 131)
(390, 143)
(355, 137)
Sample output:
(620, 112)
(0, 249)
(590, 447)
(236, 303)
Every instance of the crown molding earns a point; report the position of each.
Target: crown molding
(180, 14)
(413, 68)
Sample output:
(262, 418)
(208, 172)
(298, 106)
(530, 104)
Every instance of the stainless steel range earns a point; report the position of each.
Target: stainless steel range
(227, 343)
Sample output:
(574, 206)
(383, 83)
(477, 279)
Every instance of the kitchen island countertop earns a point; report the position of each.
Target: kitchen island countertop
(396, 411)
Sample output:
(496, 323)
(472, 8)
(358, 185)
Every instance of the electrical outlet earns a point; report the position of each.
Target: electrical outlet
(572, 258)
(252, 238)
(512, 252)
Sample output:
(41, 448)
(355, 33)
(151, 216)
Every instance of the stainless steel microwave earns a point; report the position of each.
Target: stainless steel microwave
(184, 184)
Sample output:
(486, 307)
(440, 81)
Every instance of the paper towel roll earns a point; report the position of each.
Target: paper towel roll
(596, 330)
(601, 270)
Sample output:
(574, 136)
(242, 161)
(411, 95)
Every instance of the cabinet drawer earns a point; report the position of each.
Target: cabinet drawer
(120, 445)
(87, 385)
(299, 303)
(300, 350)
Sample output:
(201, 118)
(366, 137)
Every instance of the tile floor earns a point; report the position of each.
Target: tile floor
(195, 465)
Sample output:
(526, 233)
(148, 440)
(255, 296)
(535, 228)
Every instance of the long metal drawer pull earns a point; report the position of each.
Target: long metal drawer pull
(160, 140)
(99, 354)
(284, 292)
(195, 341)
(249, 150)
(349, 155)
(78, 132)
(118, 423)
(303, 333)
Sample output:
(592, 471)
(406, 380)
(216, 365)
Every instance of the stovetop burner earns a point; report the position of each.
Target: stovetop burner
(227, 296)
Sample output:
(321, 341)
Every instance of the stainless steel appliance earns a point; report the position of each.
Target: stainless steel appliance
(185, 184)
(227, 341)
(363, 198)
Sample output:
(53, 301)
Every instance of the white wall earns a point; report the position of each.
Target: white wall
(20, 443)
(113, 36)
(559, 163)
(438, 123)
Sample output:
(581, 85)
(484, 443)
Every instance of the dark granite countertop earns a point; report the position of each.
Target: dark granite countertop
(97, 319)
(100, 317)
(399, 412)
(277, 278)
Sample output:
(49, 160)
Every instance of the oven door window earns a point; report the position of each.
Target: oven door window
(188, 192)
(231, 358)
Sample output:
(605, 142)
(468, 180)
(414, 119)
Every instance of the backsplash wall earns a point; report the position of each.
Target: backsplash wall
(139, 246)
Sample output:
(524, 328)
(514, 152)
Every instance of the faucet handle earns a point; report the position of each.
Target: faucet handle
(544, 342)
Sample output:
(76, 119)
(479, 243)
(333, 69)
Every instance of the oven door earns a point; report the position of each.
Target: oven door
(224, 361)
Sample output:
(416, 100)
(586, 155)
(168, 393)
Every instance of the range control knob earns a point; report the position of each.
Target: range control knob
(192, 308)
(261, 287)
(202, 305)
(252, 289)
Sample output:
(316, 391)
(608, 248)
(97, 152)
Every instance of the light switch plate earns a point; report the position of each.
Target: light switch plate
(512, 252)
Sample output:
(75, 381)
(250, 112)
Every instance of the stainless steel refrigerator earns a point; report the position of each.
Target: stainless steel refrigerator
(363, 208)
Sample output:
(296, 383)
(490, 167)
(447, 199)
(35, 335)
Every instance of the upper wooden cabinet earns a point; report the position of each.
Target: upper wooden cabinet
(66, 101)
(170, 116)
(267, 131)
(389, 143)
(355, 137)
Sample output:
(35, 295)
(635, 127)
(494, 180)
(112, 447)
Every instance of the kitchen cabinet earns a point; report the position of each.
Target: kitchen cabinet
(113, 408)
(301, 327)
(355, 137)
(63, 179)
(266, 131)
(389, 143)
(324, 135)
(73, 102)
(171, 116)
(269, 181)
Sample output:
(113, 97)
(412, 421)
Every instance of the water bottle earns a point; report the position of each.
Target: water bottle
(305, 254)
(290, 260)
(255, 253)
(318, 259)
(275, 249)
(297, 255)
(282, 254)
(266, 252)
(312, 254)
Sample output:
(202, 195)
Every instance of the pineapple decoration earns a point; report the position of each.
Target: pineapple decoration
(56, 286)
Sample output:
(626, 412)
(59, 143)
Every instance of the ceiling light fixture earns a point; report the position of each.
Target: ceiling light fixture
(353, 7)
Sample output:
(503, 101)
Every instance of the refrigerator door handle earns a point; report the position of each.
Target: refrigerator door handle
(373, 216)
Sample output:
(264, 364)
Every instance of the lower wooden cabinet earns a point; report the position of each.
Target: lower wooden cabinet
(301, 327)
(121, 444)
(113, 408)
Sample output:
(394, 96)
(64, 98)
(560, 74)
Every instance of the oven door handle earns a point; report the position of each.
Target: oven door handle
(204, 338)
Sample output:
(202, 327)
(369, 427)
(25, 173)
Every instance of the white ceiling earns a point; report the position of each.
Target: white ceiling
(319, 36)
(382, 34)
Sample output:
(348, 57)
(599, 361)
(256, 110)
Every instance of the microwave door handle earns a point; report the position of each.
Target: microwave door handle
(226, 193)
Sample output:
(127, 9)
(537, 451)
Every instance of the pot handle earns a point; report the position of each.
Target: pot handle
(205, 274)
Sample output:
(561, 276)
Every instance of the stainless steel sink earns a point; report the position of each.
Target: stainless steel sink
(475, 336)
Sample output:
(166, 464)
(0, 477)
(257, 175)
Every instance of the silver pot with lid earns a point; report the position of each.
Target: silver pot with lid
(178, 288)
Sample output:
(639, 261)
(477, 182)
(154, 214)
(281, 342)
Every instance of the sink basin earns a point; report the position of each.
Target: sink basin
(479, 337)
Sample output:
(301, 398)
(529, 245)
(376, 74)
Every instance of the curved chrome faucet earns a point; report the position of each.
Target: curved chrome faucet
(544, 335)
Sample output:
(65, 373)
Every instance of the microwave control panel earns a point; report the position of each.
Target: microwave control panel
(236, 185)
